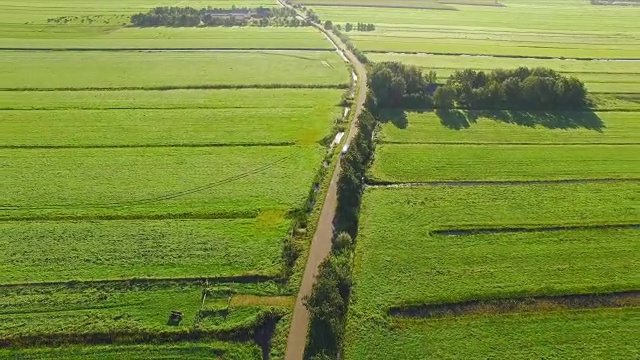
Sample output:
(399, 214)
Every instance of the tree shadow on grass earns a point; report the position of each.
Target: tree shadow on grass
(397, 117)
(551, 120)
(454, 119)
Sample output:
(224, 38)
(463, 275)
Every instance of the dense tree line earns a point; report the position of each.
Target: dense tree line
(191, 17)
(521, 88)
(329, 299)
(395, 85)
(359, 27)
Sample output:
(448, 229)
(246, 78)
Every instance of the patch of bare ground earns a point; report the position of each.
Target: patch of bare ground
(519, 305)
(254, 300)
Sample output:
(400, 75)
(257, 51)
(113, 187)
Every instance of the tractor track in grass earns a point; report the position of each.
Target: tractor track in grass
(155, 199)
(506, 230)
(620, 299)
(390, 184)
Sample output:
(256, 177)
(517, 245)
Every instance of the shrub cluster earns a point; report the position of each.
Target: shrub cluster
(395, 85)
(190, 17)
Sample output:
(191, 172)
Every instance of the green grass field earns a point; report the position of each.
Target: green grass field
(32, 70)
(232, 117)
(137, 181)
(592, 334)
(471, 207)
(166, 182)
(423, 162)
(572, 29)
(196, 350)
(41, 311)
(428, 128)
(64, 37)
(457, 268)
(93, 250)
(223, 99)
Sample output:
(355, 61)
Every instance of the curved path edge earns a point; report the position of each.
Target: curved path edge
(321, 242)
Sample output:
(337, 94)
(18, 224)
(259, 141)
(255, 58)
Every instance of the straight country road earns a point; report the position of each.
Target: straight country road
(321, 242)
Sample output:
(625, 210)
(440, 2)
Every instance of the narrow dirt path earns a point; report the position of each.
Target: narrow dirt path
(321, 243)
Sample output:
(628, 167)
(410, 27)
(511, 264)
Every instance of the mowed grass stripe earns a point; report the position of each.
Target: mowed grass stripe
(158, 182)
(184, 127)
(472, 207)
(40, 70)
(198, 351)
(486, 127)
(170, 99)
(423, 163)
(600, 333)
(109, 250)
(90, 37)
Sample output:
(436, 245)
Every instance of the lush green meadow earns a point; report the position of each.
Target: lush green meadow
(486, 128)
(220, 99)
(93, 250)
(208, 182)
(424, 162)
(578, 334)
(34, 70)
(136, 183)
(216, 117)
(456, 268)
(571, 29)
(63, 37)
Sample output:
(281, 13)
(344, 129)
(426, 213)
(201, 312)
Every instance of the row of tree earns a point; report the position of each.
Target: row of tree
(521, 88)
(359, 27)
(191, 17)
(328, 25)
(396, 85)
(329, 299)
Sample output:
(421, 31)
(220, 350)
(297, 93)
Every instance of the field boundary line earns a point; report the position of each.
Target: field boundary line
(138, 146)
(135, 217)
(183, 87)
(630, 298)
(384, 142)
(124, 283)
(197, 49)
(370, 183)
(533, 229)
(539, 57)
